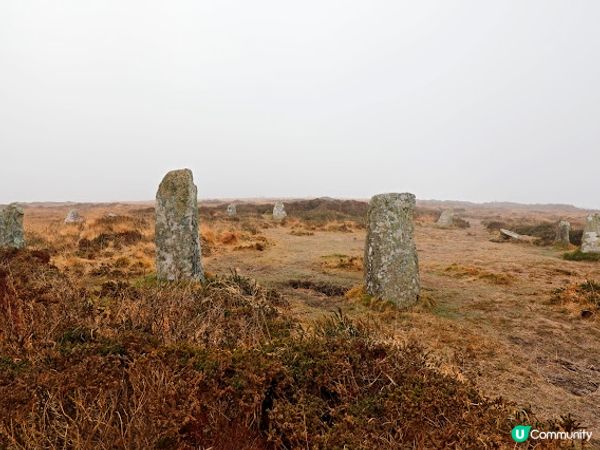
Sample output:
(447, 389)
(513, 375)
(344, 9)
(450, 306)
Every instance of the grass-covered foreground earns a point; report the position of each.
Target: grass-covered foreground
(221, 365)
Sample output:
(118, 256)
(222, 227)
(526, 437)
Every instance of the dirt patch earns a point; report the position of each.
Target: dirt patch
(328, 289)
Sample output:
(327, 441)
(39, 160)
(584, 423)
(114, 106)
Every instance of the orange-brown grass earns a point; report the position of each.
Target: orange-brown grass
(172, 371)
(580, 299)
(459, 271)
(343, 262)
(143, 364)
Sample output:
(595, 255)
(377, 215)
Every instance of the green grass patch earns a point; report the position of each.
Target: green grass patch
(578, 255)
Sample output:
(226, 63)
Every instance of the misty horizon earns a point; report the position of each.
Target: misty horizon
(467, 101)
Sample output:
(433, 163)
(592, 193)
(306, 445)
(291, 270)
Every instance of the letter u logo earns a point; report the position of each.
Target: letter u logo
(520, 433)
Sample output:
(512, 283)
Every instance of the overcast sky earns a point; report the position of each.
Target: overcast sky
(466, 100)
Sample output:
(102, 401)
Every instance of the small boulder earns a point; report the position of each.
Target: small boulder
(231, 210)
(279, 213)
(446, 219)
(563, 231)
(73, 217)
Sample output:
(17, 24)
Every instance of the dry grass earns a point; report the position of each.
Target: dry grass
(217, 365)
(459, 271)
(236, 364)
(343, 262)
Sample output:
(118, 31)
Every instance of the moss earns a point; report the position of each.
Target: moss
(10, 365)
(578, 255)
(174, 188)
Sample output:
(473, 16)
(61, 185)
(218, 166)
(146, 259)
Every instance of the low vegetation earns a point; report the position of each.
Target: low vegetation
(578, 255)
(141, 364)
(584, 298)
(460, 271)
(96, 353)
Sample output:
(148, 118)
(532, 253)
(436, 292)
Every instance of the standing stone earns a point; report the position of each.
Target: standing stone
(391, 262)
(446, 219)
(590, 241)
(231, 210)
(11, 227)
(563, 231)
(177, 239)
(279, 212)
(73, 217)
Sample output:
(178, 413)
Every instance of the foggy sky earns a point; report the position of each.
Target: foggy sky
(467, 100)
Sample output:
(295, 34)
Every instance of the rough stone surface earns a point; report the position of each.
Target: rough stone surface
(507, 235)
(590, 242)
(11, 227)
(562, 233)
(178, 255)
(279, 212)
(73, 217)
(446, 219)
(391, 262)
(231, 210)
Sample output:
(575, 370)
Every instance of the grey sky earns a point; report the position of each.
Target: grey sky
(468, 100)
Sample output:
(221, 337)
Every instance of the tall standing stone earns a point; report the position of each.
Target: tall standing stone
(391, 262)
(563, 231)
(231, 210)
(446, 219)
(11, 227)
(178, 255)
(279, 212)
(590, 241)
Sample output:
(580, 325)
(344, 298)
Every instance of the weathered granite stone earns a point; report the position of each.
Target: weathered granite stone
(446, 219)
(562, 233)
(231, 210)
(279, 212)
(178, 255)
(73, 217)
(11, 227)
(391, 262)
(590, 241)
(516, 236)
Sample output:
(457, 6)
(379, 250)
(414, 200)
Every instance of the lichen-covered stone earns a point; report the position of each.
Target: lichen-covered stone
(391, 263)
(11, 227)
(446, 219)
(279, 212)
(73, 217)
(231, 210)
(563, 231)
(178, 254)
(590, 241)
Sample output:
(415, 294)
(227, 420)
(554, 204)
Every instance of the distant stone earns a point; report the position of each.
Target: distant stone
(11, 227)
(231, 210)
(446, 219)
(110, 215)
(279, 212)
(511, 234)
(516, 236)
(178, 254)
(391, 262)
(563, 231)
(590, 241)
(73, 217)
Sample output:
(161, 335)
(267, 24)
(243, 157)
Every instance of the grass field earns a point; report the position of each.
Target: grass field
(281, 348)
